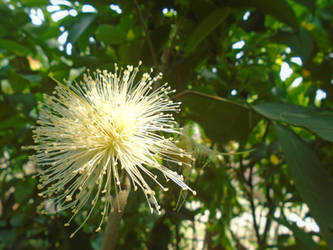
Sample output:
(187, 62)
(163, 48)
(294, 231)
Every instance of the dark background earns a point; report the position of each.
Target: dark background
(252, 75)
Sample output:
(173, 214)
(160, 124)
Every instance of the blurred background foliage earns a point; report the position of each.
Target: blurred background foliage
(254, 76)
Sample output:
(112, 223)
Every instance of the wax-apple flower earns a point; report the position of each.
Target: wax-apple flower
(91, 134)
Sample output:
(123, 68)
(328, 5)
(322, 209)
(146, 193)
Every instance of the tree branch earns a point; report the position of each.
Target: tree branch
(269, 215)
(112, 228)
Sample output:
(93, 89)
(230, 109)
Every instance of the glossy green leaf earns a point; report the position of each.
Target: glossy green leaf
(110, 34)
(80, 26)
(206, 27)
(311, 179)
(318, 121)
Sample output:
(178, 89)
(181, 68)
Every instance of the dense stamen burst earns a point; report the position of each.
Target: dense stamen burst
(91, 134)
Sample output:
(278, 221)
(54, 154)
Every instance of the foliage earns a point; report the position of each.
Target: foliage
(225, 59)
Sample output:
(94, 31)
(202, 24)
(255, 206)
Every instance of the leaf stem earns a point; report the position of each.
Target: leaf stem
(216, 98)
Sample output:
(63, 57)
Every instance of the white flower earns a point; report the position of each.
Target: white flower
(92, 133)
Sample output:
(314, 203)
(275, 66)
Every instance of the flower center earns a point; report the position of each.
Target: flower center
(121, 127)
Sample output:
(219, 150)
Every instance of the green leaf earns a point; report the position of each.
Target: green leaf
(13, 47)
(23, 191)
(311, 180)
(207, 26)
(222, 121)
(18, 82)
(303, 239)
(110, 34)
(80, 26)
(320, 122)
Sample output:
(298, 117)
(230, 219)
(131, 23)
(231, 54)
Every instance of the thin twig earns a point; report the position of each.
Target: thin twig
(253, 208)
(270, 202)
(216, 98)
(149, 41)
(113, 225)
(270, 214)
(167, 54)
(248, 187)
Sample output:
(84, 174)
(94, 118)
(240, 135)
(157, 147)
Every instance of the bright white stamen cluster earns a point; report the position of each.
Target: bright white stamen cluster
(89, 135)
